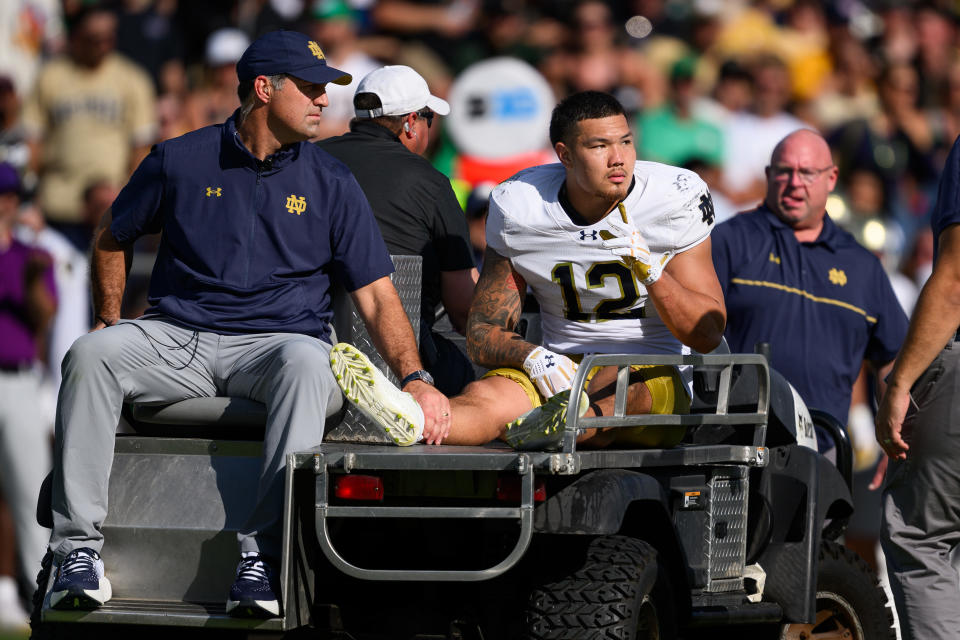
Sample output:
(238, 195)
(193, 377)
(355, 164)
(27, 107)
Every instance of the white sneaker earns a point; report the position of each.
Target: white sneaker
(80, 583)
(378, 398)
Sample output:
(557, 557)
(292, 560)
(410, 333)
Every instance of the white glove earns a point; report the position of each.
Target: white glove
(551, 372)
(635, 252)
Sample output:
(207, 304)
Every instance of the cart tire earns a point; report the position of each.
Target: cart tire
(849, 599)
(618, 592)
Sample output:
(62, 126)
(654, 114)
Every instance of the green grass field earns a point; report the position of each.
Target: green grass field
(9, 635)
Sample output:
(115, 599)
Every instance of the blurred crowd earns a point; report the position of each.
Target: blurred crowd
(86, 87)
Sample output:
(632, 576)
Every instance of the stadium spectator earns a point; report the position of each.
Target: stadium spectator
(147, 34)
(945, 116)
(731, 94)
(27, 305)
(29, 30)
(415, 207)
(216, 98)
(71, 269)
(334, 25)
(750, 135)
(897, 144)
(599, 60)
(91, 114)
(671, 133)
(14, 149)
(850, 92)
(936, 50)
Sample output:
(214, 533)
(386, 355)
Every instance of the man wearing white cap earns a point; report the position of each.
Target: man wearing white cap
(415, 207)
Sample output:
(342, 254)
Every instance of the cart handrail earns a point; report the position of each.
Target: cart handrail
(726, 362)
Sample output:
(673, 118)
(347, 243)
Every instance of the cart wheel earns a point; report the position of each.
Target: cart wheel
(618, 592)
(850, 602)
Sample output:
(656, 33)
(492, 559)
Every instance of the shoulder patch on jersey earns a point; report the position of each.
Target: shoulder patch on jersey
(683, 182)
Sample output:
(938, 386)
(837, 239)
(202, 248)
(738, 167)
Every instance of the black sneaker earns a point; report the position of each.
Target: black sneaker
(254, 592)
(80, 583)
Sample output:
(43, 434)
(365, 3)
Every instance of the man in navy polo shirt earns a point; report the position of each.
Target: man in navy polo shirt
(256, 224)
(917, 426)
(792, 278)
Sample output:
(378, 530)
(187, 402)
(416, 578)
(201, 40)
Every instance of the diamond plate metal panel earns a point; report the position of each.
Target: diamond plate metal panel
(727, 532)
(349, 327)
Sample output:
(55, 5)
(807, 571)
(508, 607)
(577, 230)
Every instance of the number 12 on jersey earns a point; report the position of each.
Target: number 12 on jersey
(607, 309)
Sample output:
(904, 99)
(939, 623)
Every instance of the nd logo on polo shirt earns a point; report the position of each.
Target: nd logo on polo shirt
(296, 204)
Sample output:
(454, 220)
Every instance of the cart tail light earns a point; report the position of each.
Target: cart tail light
(358, 487)
(508, 489)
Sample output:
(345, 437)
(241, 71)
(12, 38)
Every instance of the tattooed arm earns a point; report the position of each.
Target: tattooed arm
(491, 339)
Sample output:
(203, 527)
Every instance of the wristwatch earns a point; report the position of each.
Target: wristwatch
(419, 374)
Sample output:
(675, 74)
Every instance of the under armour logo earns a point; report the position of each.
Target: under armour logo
(706, 208)
(214, 191)
(584, 234)
(548, 362)
(315, 50)
(296, 205)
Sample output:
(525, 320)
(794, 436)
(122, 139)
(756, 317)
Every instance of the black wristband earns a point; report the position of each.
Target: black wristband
(104, 321)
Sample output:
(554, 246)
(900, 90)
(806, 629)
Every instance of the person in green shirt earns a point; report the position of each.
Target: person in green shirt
(670, 133)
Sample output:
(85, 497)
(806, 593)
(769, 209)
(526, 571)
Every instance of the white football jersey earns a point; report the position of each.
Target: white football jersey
(590, 301)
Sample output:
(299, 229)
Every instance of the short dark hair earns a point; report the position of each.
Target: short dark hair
(586, 105)
(367, 101)
(86, 11)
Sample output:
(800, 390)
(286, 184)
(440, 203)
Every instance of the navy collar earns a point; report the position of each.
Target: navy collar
(236, 154)
(830, 235)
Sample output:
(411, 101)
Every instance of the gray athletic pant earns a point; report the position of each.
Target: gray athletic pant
(921, 507)
(156, 361)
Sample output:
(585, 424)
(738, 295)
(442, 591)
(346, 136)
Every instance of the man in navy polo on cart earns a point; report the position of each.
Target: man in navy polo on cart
(256, 224)
(792, 278)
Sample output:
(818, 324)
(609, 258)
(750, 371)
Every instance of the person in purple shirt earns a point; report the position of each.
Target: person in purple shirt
(28, 300)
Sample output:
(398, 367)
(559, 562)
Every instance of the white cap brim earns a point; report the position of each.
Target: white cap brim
(438, 105)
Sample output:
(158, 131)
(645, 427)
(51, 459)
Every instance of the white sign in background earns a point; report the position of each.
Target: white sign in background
(500, 108)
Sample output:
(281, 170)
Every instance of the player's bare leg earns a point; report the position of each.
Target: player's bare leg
(483, 409)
